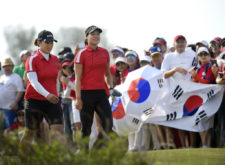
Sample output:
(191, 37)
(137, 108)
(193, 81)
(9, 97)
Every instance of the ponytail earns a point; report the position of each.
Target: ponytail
(35, 42)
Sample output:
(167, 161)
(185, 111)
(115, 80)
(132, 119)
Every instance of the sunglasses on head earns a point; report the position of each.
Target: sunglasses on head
(203, 54)
(120, 63)
(130, 56)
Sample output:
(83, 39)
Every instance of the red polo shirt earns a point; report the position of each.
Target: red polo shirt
(205, 75)
(94, 66)
(47, 73)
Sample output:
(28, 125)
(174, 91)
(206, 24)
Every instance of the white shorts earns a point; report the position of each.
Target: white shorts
(76, 113)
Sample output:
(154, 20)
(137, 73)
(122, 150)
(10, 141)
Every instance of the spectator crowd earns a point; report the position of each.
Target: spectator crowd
(84, 78)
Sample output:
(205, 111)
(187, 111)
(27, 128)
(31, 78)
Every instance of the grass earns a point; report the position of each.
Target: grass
(211, 156)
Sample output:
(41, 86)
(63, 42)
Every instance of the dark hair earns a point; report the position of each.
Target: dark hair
(35, 42)
(86, 42)
(192, 46)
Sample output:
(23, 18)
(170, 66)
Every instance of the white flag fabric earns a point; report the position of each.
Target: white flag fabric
(175, 103)
(187, 105)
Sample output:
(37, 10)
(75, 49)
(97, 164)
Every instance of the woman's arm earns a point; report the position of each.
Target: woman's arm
(108, 76)
(78, 75)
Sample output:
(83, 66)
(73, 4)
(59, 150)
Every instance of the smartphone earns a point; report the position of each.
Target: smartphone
(214, 62)
(81, 45)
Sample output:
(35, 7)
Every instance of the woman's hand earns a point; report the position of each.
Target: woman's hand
(215, 70)
(79, 104)
(192, 72)
(52, 98)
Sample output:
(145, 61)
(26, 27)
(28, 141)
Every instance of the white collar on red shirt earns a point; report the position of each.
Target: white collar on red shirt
(46, 56)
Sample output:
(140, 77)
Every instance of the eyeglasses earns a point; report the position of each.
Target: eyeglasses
(130, 56)
(120, 63)
(203, 54)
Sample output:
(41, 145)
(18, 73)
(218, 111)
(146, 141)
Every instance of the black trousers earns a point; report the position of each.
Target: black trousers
(95, 100)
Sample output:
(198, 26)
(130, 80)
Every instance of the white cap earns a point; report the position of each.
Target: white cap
(23, 52)
(203, 42)
(118, 49)
(145, 58)
(120, 59)
(131, 52)
(203, 49)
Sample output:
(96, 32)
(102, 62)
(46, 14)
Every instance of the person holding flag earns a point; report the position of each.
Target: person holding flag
(176, 65)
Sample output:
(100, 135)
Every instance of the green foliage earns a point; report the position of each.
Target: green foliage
(110, 152)
(105, 152)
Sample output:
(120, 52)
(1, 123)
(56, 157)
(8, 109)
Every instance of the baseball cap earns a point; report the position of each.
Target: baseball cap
(120, 59)
(118, 49)
(7, 61)
(64, 50)
(46, 36)
(131, 52)
(24, 52)
(69, 56)
(145, 58)
(202, 49)
(203, 42)
(160, 41)
(178, 37)
(66, 63)
(155, 50)
(92, 28)
(217, 39)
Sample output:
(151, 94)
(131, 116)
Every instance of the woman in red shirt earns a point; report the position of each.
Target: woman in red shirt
(206, 74)
(91, 68)
(41, 96)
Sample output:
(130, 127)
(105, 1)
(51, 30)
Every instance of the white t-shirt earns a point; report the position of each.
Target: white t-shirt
(9, 86)
(185, 60)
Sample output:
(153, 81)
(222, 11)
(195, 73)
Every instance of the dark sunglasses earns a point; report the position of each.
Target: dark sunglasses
(130, 56)
(203, 54)
(120, 63)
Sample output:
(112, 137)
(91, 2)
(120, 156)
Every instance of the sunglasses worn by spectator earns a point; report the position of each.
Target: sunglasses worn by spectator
(120, 63)
(130, 56)
(203, 54)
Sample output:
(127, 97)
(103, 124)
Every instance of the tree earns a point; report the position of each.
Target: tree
(70, 36)
(18, 38)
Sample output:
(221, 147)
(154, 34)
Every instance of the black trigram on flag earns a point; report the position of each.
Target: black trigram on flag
(135, 121)
(210, 94)
(200, 116)
(160, 82)
(148, 111)
(171, 116)
(177, 92)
